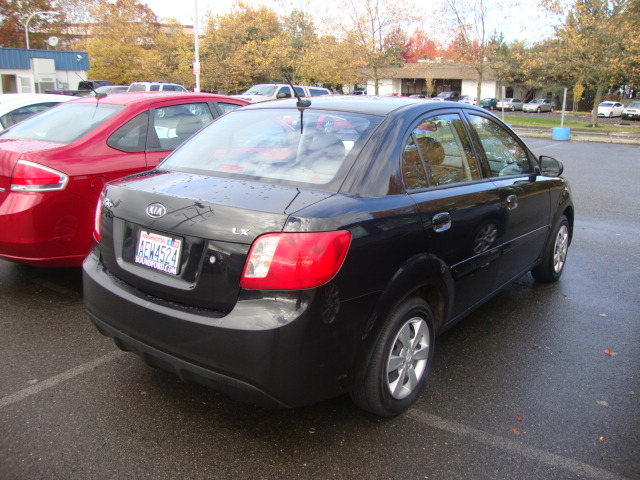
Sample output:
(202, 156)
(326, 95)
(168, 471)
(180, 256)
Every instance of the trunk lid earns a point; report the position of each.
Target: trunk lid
(207, 230)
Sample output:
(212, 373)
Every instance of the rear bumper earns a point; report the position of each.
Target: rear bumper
(50, 229)
(275, 349)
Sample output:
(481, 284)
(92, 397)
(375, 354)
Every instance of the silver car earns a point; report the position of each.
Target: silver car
(512, 104)
(539, 105)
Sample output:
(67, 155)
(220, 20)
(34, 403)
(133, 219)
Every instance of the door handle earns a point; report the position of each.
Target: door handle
(512, 202)
(441, 222)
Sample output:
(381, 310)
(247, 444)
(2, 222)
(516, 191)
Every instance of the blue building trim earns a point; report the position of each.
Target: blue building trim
(20, 58)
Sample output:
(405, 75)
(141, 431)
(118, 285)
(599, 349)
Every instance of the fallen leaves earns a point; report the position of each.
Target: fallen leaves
(32, 382)
(610, 353)
(602, 403)
(514, 431)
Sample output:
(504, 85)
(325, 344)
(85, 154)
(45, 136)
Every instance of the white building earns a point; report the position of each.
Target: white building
(35, 71)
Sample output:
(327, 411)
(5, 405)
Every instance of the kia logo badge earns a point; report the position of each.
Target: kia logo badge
(156, 210)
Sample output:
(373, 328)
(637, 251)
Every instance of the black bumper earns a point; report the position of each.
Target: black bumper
(274, 348)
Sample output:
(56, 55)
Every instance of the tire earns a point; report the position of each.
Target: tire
(555, 253)
(400, 361)
(513, 109)
(539, 110)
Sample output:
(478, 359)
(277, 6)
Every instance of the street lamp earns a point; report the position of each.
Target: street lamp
(196, 63)
(26, 25)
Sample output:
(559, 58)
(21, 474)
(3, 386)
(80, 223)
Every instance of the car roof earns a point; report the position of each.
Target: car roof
(130, 98)
(368, 104)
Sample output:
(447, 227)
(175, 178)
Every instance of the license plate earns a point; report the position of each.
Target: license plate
(159, 252)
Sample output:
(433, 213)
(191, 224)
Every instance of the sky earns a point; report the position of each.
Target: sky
(526, 21)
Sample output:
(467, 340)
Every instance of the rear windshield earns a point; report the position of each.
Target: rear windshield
(272, 146)
(63, 124)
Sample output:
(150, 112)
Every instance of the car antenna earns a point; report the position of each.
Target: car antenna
(301, 104)
(98, 95)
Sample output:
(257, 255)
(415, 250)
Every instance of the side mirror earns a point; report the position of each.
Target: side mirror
(550, 167)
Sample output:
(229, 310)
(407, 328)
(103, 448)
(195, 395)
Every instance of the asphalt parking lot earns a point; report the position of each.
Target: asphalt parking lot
(542, 382)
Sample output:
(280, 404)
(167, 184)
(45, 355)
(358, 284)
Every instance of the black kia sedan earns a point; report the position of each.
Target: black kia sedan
(293, 251)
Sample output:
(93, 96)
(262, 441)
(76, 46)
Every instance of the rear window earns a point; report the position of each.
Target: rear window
(272, 146)
(64, 124)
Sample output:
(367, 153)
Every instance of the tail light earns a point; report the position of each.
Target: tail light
(98, 218)
(294, 261)
(33, 177)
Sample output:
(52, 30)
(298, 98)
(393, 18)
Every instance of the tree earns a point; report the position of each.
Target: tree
(122, 40)
(13, 16)
(595, 45)
(377, 27)
(330, 61)
(469, 26)
(419, 47)
(243, 47)
(172, 55)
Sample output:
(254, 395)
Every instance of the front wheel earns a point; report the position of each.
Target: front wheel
(400, 361)
(555, 254)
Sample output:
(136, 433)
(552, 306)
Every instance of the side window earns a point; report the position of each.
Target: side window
(227, 107)
(172, 125)
(300, 91)
(132, 136)
(154, 88)
(286, 91)
(438, 152)
(504, 154)
(317, 91)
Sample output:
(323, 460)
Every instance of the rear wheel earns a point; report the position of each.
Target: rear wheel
(400, 361)
(555, 254)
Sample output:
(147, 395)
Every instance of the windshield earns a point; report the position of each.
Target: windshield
(537, 100)
(266, 90)
(445, 94)
(270, 146)
(634, 105)
(63, 124)
(606, 104)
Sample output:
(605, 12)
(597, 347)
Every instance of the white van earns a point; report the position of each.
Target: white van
(274, 91)
(155, 87)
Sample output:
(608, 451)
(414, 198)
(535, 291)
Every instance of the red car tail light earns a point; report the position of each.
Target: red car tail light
(294, 261)
(33, 177)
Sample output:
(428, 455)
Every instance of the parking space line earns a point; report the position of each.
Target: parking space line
(581, 469)
(57, 379)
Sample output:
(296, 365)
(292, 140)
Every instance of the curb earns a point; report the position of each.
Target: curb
(628, 139)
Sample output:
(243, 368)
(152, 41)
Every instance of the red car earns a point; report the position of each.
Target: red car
(53, 165)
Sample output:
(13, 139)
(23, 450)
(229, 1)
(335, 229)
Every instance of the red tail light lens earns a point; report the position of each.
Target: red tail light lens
(33, 177)
(98, 218)
(294, 261)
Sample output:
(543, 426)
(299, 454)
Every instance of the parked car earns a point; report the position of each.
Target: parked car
(610, 109)
(489, 103)
(288, 254)
(512, 104)
(107, 89)
(15, 107)
(265, 92)
(53, 165)
(85, 87)
(155, 87)
(539, 105)
(447, 96)
(632, 111)
(468, 99)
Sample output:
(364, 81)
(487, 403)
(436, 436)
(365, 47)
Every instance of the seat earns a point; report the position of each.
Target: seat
(434, 156)
(324, 153)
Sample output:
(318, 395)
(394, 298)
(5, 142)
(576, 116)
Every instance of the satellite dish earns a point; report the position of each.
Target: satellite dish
(53, 41)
